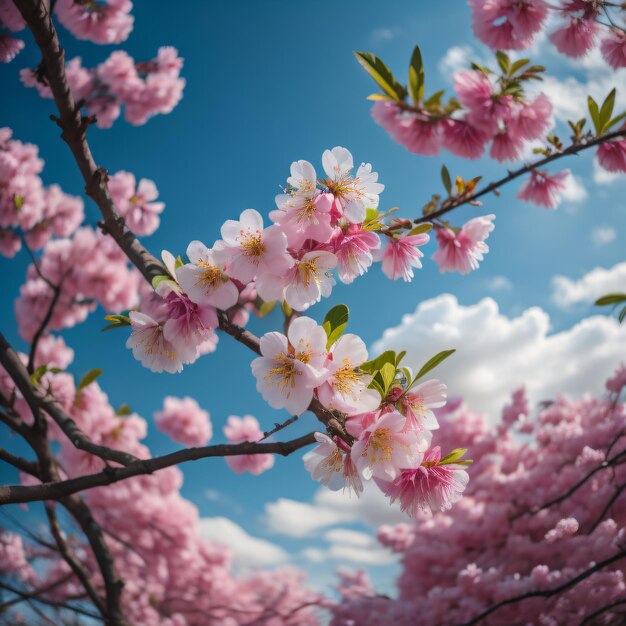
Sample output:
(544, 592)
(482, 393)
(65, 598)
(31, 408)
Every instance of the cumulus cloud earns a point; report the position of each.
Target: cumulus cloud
(499, 283)
(602, 235)
(574, 190)
(601, 176)
(456, 59)
(248, 551)
(330, 508)
(598, 282)
(496, 354)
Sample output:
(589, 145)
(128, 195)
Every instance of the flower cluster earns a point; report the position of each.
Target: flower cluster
(498, 543)
(144, 89)
(100, 21)
(26, 206)
(10, 20)
(388, 425)
(184, 421)
(320, 224)
(513, 25)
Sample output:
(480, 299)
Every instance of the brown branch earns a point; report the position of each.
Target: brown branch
(30, 467)
(454, 203)
(613, 499)
(56, 490)
(589, 619)
(35, 593)
(39, 400)
(56, 293)
(548, 593)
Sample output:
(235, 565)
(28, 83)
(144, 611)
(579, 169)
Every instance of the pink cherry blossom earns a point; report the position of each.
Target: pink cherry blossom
(429, 487)
(204, 280)
(184, 421)
(508, 24)
(354, 249)
(401, 255)
(617, 382)
(248, 250)
(291, 366)
(240, 430)
(345, 387)
(410, 129)
(10, 16)
(353, 194)
(385, 448)
(107, 21)
(461, 251)
(135, 202)
(330, 463)
(613, 48)
(578, 35)
(417, 404)
(544, 189)
(150, 346)
(463, 139)
(612, 155)
(9, 48)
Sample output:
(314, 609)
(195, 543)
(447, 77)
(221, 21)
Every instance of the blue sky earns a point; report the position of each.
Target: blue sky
(269, 83)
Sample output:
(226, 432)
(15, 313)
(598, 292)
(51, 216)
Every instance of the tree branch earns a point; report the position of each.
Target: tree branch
(454, 203)
(59, 489)
(30, 467)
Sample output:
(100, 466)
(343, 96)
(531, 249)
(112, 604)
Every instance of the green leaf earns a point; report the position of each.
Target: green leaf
(388, 373)
(88, 378)
(375, 384)
(157, 280)
(614, 121)
(504, 62)
(518, 65)
(454, 456)
(399, 357)
(371, 214)
(426, 227)
(382, 75)
(389, 356)
(266, 307)
(407, 374)
(123, 411)
(37, 375)
(622, 315)
(117, 321)
(447, 181)
(287, 310)
(432, 363)
(178, 263)
(612, 298)
(416, 76)
(335, 323)
(607, 110)
(18, 202)
(378, 96)
(434, 102)
(594, 112)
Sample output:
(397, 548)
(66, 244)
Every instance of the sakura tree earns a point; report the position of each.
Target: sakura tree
(121, 545)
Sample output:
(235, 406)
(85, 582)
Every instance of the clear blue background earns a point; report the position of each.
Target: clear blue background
(269, 83)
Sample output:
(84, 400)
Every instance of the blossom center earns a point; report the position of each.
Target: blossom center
(284, 373)
(252, 244)
(380, 445)
(212, 275)
(308, 272)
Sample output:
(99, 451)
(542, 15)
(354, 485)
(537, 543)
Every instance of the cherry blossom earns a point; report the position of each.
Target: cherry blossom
(544, 189)
(150, 346)
(417, 404)
(401, 255)
(103, 21)
(238, 430)
(291, 366)
(184, 421)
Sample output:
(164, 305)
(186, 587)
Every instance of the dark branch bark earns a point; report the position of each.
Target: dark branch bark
(20, 463)
(575, 148)
(57, 490)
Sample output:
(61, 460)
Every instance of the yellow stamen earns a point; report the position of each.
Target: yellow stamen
(211, 277)
(252, 244)
(284, 374)
(379, 445)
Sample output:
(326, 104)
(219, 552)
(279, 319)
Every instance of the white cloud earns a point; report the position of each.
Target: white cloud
(495, 353)
(456, 59)
(598, 282)
(351, 546)
(248, 551)
(602, 235)
(330, 508)
(574, 189)
(602, 176)
(379, 35)
(499, 283)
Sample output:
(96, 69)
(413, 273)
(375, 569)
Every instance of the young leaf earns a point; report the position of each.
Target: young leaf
(88, 378)
(454, 456)
(432, 363)
(157, 280)
(612, 298)
(381, 74)
(426, 227)
(388, 373)
(266, 307)
(504, 62)
(615, 120)
(178, 263)
(518, 65)
(445, 178)
(607, 110)
(378, 96)
(416, 76)
(335, 323)
(389, 356)
(594, 112)
(123, 411)
(399, 357)
(37, 375)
